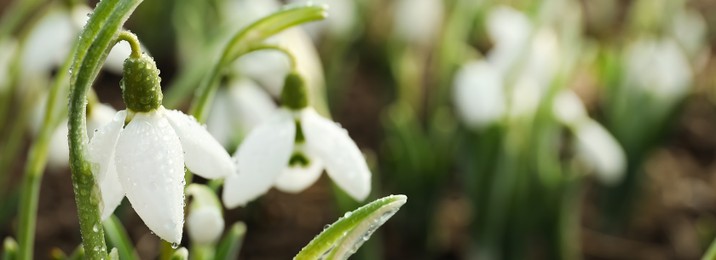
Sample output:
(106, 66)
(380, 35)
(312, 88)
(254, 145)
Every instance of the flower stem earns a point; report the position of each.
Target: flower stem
(251, 39)
(95, 42)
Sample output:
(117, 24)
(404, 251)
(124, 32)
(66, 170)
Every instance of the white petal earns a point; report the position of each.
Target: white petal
(203, 155)
(59, 150)
(601, 151)
(205, 224)
(510, 30)
(252, 105)
(267, 67)
(543, 60)
(568, 108)
(658, 67)
(48, 43)
(479, 94)
(296, 179)
(101, 115)
(418, 21)
(262, 157)
(101, 147)
(344, 161)
(101, 151)
(220, 122)
(150, 165)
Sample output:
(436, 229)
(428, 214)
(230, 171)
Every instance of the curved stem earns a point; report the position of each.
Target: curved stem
(130, 38)
(249, 39)
(95, 42)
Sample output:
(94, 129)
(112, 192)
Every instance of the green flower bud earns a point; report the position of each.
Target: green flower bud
(294, 94)
(141, 90)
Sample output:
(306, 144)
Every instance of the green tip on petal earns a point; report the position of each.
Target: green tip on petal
(294, 94)
(141, 88)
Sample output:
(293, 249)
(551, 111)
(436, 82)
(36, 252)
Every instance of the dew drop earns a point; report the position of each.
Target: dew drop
(95, 228)
(175, 245)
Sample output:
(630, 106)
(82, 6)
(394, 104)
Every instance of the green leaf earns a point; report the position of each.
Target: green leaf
(78, 254)
(231, 244)
(117, 235)
(345, 236)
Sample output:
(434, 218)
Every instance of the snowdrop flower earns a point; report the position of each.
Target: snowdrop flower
(510, 30)
(595, 146)
(418, 21)
(237, 109)
(141, 154)
(658, 67)
(269, 67)
(478, 93)
(291, 149)
(204, 222)
(690, 29)
(599, 150)
(481, 93)
(51, 39)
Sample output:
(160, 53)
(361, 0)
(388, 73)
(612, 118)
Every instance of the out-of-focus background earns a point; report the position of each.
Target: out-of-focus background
(518, 129)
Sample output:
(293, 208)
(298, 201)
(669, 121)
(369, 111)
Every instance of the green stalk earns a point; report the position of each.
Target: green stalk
(95, 42)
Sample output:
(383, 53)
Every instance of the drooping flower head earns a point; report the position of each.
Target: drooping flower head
(141, 154)
(290, 151)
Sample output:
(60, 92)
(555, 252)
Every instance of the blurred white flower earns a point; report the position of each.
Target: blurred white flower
(525, 98)
(658, 67)
(204, 222)
(690, 30)
(418, 21)
(599, 150)
(145, 159)
(568, 109)
(269, 67)
(280, 153)
(510, 30)
(238, 109)
(479, 95)
(50, 41)
(595, 146)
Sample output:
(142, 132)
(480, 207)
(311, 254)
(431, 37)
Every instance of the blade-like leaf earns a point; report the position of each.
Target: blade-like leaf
(231, 244)
(117, 236)
(345, 236)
